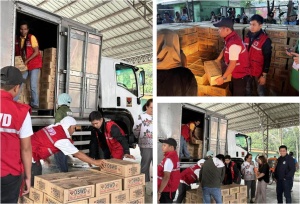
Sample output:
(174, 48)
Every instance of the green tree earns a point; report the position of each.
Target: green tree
(148, 77)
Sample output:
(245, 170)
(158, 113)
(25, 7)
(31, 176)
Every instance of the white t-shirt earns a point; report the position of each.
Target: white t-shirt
(248, 170)
(234, 51)
(66, 146)
(218, 162)
(26, 129)
(168, 167)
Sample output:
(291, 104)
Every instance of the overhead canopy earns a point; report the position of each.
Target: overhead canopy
(126, 25)
(249, 117)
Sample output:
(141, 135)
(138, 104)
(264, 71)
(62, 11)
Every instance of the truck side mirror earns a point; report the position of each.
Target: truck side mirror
(142, 77)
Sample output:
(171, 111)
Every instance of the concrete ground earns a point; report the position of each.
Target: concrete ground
(77, 165)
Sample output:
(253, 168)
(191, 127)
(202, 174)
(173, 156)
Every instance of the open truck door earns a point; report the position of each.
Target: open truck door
(83, 70)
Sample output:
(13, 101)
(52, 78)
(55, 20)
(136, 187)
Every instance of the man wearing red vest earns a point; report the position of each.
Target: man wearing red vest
(260, 50)
(235, 56)
(187, 132)
(55, 138)
(187, 177)
(232, 173)
(15, 132)
(108, 139)
(27, 47)
(168, 172)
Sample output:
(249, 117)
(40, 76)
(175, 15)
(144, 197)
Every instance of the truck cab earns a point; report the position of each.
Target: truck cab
(77, 68)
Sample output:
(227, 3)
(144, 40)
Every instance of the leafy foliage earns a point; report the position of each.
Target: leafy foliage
(149, 78)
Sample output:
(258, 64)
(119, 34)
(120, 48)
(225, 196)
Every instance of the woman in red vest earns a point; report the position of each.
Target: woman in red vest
(55, 138)
(168, 172)
(108, 137)
(27, 47)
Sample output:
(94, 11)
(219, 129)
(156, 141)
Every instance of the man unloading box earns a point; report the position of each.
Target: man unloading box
(235, 56)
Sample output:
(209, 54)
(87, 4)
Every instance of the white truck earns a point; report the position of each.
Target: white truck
(216, 137)
(94, 82)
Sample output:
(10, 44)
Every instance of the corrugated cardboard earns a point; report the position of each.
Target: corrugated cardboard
(224, 190)
(102, 199)
(213, 71)
(241, 195)
(47, 85)
(243, 189)
(293, 42)
(281, 54)
(228, 198)
(49, 65)
(36, 195)
(234, 189)
(48, 78)
(50, 200)
(104, 183)
(137, 201)
(50, 51)
(46, 98)
(280, 47)
(136, 192)
(293, 32)
(46, 105)
(243, 200)
(235, 201)
(70, 190)
(19, 63)
(276, 33)
(47, 72)
(41, 182)
(120, 197)
(26, 200)
(133, 181)
(121, 167)
(222, 90)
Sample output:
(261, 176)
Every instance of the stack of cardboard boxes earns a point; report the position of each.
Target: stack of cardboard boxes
(230, 194)
(210, 45)
(48, 79)
(195, 146)
(118, 182)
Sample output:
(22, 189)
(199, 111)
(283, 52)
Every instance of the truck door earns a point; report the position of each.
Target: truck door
(83, 68)
(213, 133)
(222, 136)
(169, 117)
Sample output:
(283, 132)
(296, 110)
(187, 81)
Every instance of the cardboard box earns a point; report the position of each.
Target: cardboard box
(281, 54)
(50, 51)
(222, 90)
(243, 189)
(235, 201)
(47, 72)
(50, 200)
(234, 189)
(276, 33)
(19, 63)
(202, 89)
(120, 197)
(36, 195)
(46, 105)
(121, 167)
(100, 199)
(293, 42)
(49, 65)
(279, 40)
(45, 98)
(104, 184)
(224, 190)
(137, 201)
(228, 198)
(241, 195)
(136, 192)
(213, 71)
(243, 200)
(293, 32)
(203, 31)
(280, 47)
(70, 190)
(42, 181)
(48, 78)
(195, 141)
(133, 181)
(47, 85)
(26, 200)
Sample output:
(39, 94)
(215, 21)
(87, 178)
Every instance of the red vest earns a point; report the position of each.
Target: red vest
(116, 149)
(36, 62)
(255, 54)
(185, 131)
(43, 141)
(188, 175)
(12, 116)
(242, 67)
(175, 174)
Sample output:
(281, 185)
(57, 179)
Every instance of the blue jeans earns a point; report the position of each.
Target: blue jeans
(34, 77)
(183, 148)
(214, 192)
(261, 90)
(61, 161)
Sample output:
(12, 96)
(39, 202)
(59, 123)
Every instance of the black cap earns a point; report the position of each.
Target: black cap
(11, 76)
(224, 22)
(169, 141)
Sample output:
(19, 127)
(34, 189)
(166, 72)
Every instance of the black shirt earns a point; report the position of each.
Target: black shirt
(264, 169)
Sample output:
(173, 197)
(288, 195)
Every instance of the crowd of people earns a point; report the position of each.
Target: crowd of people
(214, 171)
(22, 149)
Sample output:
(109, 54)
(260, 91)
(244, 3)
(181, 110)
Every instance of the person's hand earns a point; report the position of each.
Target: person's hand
(158, 197)
(26, 62)
(262, 80)
(220, 81)
(288, 53)
(47, 162)
(27, 186)
(295, 57)
(100, 163)
(129, 156)
(90, 165)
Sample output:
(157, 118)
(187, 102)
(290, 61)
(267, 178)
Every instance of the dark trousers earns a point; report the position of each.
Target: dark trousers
(238, 86)
(251, 185)
(284, 186)
(10, 188)
(36, 170)
(167, 197)
(61, 161)
(182, 192)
